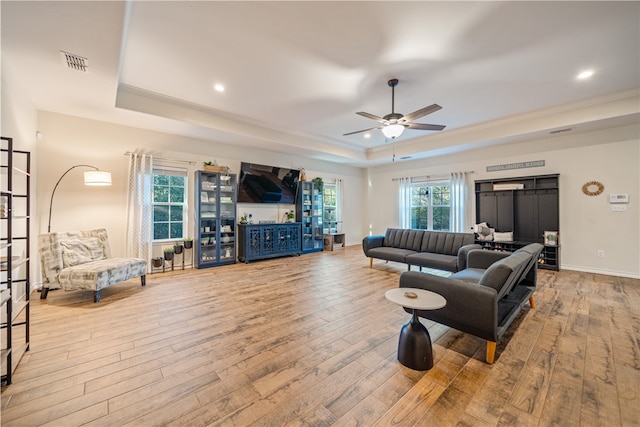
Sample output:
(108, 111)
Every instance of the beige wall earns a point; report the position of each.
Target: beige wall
(587, 224)
(70, 140)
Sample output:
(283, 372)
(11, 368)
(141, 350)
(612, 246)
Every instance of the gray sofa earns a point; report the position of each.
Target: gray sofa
(442, 250)
(485, 298)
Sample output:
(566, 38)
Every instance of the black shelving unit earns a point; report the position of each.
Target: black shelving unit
(15, 284)
(527, 206)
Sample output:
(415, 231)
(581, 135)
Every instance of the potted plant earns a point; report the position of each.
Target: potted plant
(168, 254)
(188, 243)
(245, 218)
(319, 183)
(156, 262)
(177, 248)
(291, 216)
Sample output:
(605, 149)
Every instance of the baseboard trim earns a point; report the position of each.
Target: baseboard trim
(601, 271)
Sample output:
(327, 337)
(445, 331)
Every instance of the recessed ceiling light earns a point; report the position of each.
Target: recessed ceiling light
(585, 74)
(218, 87)
(367, 135)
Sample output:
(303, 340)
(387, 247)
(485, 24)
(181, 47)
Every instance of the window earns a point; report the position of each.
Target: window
(169, 203)
(330, 211)
(431, 205)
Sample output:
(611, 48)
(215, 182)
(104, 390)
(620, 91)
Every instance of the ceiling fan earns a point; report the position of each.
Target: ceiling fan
(393, 124)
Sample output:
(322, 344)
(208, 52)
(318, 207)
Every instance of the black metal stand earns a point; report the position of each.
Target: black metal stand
(414, 347)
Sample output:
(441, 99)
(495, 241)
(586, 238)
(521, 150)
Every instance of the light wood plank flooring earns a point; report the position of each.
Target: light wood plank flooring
(311, 341)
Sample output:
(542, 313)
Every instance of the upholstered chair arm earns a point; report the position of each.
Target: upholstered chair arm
(483, 258)
(462, 255)
(370, 242)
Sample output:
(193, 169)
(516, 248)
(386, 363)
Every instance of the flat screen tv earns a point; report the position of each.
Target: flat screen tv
(267, 184)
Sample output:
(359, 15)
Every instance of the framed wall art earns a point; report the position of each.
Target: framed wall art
(550, 238)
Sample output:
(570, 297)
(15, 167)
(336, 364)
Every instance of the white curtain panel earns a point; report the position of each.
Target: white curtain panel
(404, 202)
(460, 206)
(339, 201)
(139, 208)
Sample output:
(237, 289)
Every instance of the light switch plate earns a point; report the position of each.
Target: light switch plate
(618, 208)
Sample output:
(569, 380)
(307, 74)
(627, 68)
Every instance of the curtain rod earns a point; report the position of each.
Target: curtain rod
(189, 162)
(432, 177)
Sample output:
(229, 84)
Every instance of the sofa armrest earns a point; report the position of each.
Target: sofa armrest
(370, 242)
(462, 255)
(483, 258)
(470, 308)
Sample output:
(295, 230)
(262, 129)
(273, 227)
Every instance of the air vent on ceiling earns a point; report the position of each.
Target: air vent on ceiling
(75, 62)
(553, 132)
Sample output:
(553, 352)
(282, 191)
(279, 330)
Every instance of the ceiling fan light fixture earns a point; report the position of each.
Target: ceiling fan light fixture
(393, 131)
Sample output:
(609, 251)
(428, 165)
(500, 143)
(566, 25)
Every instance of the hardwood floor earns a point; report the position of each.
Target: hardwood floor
(311, 341)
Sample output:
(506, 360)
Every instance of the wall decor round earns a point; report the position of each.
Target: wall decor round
(593, 188)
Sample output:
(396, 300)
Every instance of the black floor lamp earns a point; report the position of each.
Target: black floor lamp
(95, 177)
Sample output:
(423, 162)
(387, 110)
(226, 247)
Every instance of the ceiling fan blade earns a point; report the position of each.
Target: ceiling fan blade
(372, 117)
(363, 130)
(423, 126)
(421, 112)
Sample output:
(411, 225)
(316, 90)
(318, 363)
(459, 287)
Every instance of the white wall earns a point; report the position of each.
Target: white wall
(71, 140)
(19, 120)
(587, 224)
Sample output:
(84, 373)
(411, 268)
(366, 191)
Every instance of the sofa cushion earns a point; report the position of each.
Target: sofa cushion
(99, 274)
(471, 275)
(431, 260)
(443, 242)
(403, 238)
(390, 254)
(80, 250)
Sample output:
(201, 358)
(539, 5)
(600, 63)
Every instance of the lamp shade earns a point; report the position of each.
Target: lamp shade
(97, 178)
(393, 131)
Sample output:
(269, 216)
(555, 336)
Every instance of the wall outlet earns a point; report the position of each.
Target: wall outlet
(618, 208)
(600, 253)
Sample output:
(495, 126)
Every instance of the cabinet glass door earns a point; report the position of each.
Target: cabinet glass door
(208, 216)
(306, 216)
(227, 230)
(317, 219)
(215, 218)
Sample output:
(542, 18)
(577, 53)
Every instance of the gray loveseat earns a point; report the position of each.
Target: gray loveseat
(486, 297)
(441, 250)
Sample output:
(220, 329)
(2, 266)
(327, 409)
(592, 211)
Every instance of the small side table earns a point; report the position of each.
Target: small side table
(333, 241)
(414, 345)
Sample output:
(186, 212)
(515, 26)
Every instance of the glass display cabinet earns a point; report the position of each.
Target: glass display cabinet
(216, 196)
(309, 213)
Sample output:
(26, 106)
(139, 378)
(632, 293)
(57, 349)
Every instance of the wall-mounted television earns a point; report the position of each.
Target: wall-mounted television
(267, 184)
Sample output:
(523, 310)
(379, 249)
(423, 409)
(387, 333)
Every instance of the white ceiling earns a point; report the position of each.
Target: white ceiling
(297, 72)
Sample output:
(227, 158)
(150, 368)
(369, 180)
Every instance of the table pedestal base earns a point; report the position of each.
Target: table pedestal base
(414, 348)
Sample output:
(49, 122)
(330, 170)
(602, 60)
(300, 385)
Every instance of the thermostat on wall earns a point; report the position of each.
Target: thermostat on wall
(618, 198)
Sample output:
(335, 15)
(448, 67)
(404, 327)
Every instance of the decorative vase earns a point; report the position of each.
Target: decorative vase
(225, 238)
(156, 262)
